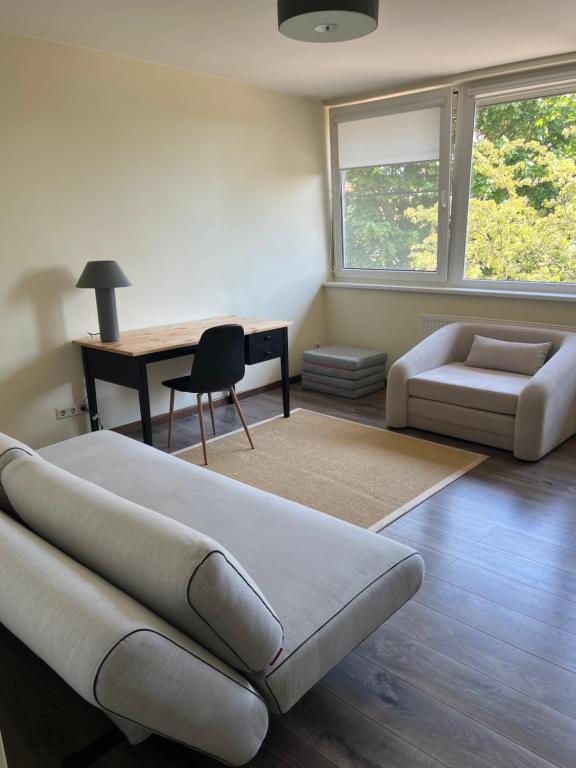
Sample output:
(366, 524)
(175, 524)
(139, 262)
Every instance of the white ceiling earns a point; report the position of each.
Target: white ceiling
(238, 39)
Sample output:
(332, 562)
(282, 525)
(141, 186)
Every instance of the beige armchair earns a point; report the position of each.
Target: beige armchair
(430, 388)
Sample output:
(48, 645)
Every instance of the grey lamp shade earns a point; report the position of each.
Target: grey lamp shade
(104, 277)
(102, 274)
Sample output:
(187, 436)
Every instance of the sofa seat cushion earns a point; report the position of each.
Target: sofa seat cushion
(331, 583)
(479, 388)
(186, 577)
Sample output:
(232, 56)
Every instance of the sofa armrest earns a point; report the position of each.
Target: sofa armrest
(546, 414)
(146, 675)
(434, 351)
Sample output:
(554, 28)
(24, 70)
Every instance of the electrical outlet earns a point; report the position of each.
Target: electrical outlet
(73, 410)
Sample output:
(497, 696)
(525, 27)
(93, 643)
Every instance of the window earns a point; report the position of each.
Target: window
(522, 209)
(512, 223)
(392, 174)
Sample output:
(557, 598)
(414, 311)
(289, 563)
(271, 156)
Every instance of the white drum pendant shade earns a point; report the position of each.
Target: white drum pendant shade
(327, 21)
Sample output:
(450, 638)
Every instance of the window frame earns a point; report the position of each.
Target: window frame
(455, 178)
(471, 97)
(440, 97)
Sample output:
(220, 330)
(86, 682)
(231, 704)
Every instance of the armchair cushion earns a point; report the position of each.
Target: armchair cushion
(513, 356)
(478, 388)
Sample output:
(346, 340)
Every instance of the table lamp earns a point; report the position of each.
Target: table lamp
(105, 276)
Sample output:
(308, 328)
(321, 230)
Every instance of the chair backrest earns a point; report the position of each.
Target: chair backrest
(219, 359)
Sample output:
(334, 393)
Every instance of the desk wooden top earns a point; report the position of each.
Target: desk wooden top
(160, 338)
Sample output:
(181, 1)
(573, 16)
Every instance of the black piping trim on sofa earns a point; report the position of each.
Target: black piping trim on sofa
(14, 448)
(17, 448)
(197, 612)
(146, 727)
(321, 627)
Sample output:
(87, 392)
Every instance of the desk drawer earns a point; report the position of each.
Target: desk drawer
(260, 354)
(265, 338)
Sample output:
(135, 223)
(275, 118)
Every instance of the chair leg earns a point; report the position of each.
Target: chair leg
(242, 419)
(211, 404)
(202, 430)
(171, 418)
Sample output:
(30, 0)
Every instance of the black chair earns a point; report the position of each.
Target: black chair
(218, 365)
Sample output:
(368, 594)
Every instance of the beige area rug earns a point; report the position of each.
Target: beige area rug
(365, 475)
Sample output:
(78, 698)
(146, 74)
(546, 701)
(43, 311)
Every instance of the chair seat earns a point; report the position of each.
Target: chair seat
(478, 388)
(182, 384)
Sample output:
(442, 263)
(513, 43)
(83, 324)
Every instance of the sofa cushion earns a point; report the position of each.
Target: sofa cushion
(513, 356)
(350, 394)
(185, 576)
(347, 358)
(346, 385)
(330, 582)
(462, 432)
(459, 384)
(470, 419)
(119, 656)
(343, 373)
(10, 449)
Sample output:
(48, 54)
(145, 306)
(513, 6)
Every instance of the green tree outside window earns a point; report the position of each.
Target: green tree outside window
(522, 210)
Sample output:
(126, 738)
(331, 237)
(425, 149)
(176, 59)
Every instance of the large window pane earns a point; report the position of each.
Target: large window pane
(390, 216)
(522, 209)
(389, 183)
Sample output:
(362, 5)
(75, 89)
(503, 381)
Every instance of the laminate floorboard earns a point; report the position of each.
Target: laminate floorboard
(426, 722)
(541, 680)
(511, 626)
(517, 716)
(532, 602)
(553, 580)
(478, 671)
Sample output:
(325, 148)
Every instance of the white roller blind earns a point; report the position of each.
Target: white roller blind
(398, 138)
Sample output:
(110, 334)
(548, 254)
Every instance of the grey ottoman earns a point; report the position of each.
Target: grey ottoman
(350, 372)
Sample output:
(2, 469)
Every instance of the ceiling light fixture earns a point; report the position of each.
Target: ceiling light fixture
(327, 21)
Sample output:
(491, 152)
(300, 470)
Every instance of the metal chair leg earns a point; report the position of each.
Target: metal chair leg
(202, 429)
(171, 418)
(242, 419)
(211, 404)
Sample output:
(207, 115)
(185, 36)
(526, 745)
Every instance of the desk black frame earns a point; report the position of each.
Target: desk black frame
(131, 371)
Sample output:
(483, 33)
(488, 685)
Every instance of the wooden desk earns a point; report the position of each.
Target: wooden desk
(125, 362)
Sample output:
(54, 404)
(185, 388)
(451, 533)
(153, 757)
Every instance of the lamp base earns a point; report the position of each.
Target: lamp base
(107, 314)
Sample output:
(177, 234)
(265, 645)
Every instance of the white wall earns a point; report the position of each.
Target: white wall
(209, 193)
(392, 320)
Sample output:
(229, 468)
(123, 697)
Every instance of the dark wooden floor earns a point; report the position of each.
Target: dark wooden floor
(477, 671)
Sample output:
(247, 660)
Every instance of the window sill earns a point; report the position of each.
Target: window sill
(411, 288)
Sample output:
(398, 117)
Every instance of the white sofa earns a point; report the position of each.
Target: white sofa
(178, 601)
(430, 388)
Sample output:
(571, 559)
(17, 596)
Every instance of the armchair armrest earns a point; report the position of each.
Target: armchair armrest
(119, 656)
(434, 351)
(546, 414)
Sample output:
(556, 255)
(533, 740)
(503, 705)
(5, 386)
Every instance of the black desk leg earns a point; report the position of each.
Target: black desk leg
(285, 374)
(144, 397)
(90, 390)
